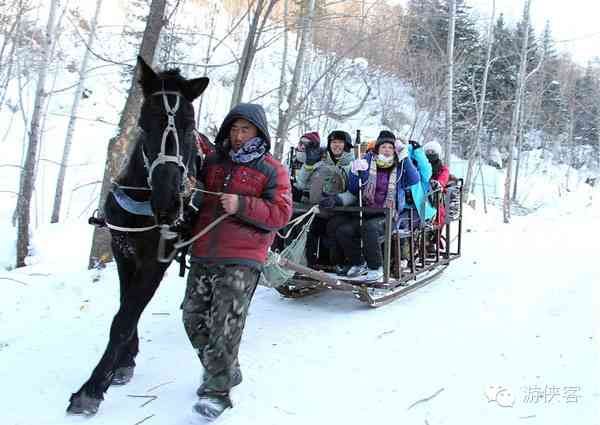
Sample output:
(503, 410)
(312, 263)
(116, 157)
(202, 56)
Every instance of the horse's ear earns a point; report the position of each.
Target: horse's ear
(147, 74)
(195, 87)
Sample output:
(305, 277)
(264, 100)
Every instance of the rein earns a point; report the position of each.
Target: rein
(166, 233)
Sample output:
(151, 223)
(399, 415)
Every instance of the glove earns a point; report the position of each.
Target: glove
(301, 156)
(330, 201)
(435, 185)
(313, 153)
(401, 151)
(359, 165)
(414, 144)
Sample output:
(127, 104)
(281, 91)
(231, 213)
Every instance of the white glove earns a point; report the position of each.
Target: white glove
(401, 151)
(359, 165)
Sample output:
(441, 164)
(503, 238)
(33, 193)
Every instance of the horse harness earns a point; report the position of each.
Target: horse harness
(143, 208)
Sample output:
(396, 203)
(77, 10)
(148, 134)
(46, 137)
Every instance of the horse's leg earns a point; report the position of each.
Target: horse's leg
(126, 361)
(123, 328)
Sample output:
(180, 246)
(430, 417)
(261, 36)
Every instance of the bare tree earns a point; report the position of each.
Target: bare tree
(289, 111)
(281, 93)
(27, 181)
(11, 36)
(514, 128)
(60, 181)
(214, 10)
(120, 147)
(450, 87)
(262, 13)
(522, 121)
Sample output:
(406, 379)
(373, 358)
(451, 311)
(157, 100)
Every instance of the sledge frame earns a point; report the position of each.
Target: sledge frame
(397, 281)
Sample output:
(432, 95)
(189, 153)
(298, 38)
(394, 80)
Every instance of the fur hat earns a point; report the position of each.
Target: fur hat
(385, 136)
(433, 147)
(340, 135)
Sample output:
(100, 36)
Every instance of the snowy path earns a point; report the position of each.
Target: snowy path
(520, 310)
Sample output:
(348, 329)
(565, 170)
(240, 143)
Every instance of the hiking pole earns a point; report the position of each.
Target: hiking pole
(360, 202)
(291, 164)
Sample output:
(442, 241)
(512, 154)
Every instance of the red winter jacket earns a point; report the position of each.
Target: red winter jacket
(265, 200)
(442, 179)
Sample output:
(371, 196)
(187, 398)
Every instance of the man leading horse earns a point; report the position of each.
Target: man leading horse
(250, 190)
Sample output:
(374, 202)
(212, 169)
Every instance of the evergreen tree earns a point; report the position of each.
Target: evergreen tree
(533, 56)
(428, 28)
(585, 131)
(502, 79)
(428, 34)
(553, 110)
(465, 108)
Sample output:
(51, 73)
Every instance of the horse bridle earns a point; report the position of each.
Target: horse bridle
(162, 157)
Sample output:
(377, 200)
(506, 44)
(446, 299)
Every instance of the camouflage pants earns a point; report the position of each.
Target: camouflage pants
(214, 312)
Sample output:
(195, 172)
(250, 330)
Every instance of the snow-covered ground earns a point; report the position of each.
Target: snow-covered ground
(508, 334)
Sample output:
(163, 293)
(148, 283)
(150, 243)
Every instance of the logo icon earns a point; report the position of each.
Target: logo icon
(501, 395)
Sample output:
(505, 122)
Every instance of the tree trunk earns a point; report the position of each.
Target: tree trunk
(449, 107)
(292, 106)
(120, 147)
(519, 147)
(514, 128)
(72, 119)
(212, 26)
(28, 172)
(281, 93)
(570, 139)
(476, 149)
(250, 47)
(483, 190)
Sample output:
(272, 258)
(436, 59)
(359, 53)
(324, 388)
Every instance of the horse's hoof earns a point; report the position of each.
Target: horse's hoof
(83, 404)
(122, 375)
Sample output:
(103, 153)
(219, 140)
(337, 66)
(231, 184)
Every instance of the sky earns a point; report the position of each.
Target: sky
(574, 23)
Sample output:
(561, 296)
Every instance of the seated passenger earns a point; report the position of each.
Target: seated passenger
(385, 174)
(439, 175)
(416, 197)
(324, 180)
(298, 160)
(332, 169)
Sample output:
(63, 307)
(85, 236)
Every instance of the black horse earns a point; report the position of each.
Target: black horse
(145, 202)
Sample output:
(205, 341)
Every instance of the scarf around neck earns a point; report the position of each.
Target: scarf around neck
(390, 197)
(249, 151)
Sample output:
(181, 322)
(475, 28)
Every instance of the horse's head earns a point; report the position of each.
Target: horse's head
(168, 142)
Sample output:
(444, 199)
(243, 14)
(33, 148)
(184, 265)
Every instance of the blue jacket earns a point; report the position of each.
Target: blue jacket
(420, 189)
(409, 176)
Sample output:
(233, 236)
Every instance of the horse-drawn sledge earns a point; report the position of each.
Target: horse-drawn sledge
(145, 213)
(411, 258)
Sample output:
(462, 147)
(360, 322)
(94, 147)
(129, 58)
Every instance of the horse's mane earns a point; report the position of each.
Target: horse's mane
(171, 74)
